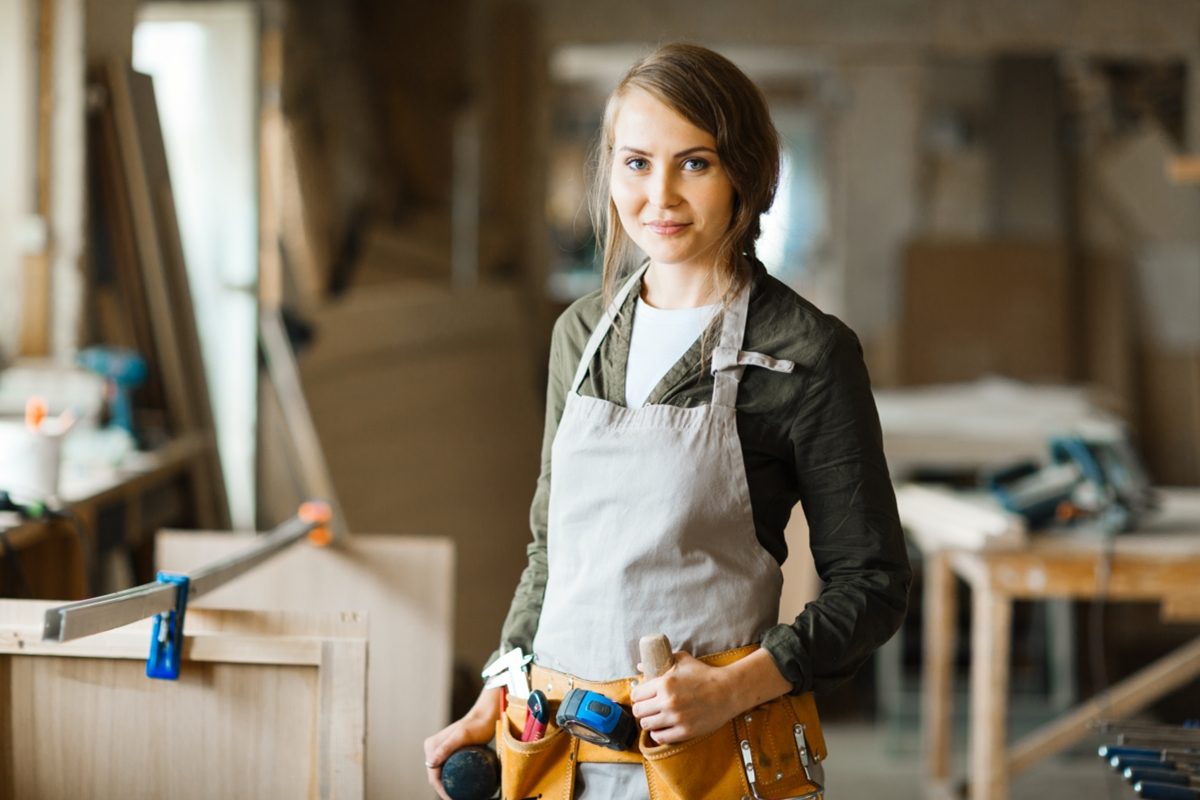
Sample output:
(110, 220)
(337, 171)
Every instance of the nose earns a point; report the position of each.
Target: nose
(662, 191)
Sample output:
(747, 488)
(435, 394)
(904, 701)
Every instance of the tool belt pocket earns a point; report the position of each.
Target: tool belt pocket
(763, 753)
(530, 769)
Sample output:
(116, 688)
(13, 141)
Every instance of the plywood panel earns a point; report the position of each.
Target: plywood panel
(973, 309)
(427, 408)
(1170, 406)
(267, 705)
(404, 584)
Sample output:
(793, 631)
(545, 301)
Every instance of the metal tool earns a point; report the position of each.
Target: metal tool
(509, 670)
(166, 599)
(1108, 751)
(95, 615)
(1175, 776)
(1160, 762)
(1094, 477)
(1165, 791)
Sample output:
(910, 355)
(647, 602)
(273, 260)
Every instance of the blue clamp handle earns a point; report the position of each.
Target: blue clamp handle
(166, 641)
(1165, 791)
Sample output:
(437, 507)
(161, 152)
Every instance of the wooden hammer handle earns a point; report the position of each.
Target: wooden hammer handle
(656, 655)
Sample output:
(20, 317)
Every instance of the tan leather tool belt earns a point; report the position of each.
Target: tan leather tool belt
(762, 753)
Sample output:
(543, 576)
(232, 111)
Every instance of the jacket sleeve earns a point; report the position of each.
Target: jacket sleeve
(523, 614)
(857, 543)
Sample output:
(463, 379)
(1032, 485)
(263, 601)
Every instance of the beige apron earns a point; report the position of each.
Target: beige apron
(651, 531)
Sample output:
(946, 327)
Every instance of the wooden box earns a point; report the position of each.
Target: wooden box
(267, 705)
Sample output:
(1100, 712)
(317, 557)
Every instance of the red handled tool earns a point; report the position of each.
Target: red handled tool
(536, 717)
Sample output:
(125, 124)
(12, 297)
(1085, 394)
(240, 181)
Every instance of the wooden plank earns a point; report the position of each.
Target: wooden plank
(247, 718)
(1108, 297)
(308, 459)
(271, 136)
(35, 304)
(937, 691)
(36, 288)
(1030, 575)
(1170, 425)
(342, 746)
(1181, 608)
(160, 257)
(145, 229)
(1131, 695)
(113, 220)
(991, 634)
(403, 584)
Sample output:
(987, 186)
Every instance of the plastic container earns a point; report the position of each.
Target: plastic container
(29, 462)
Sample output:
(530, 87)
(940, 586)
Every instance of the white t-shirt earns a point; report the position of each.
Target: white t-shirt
(660, 337)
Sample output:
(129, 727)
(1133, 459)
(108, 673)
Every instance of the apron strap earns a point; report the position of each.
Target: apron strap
(601, 330)
(726, 358)
(726, 369)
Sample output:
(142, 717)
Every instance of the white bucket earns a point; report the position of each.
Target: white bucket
(29, 462)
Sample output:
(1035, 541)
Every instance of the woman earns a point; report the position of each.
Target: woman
(691, 404)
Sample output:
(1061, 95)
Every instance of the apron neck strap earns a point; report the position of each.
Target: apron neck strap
(602, 327)
(733, 333)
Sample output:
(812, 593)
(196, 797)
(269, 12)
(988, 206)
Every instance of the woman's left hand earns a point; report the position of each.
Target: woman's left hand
(688, 700)
(692, 698)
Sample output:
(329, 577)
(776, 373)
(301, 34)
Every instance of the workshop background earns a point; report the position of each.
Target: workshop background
(320, 254)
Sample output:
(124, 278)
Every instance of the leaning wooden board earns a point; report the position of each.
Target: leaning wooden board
(403, 583)
(268, 704)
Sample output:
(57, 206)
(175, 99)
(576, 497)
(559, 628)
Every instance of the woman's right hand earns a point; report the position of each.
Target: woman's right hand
(476, 728)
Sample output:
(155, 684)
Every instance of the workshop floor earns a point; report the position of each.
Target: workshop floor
(870, 762)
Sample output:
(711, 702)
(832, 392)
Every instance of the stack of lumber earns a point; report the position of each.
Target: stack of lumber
(141, 298)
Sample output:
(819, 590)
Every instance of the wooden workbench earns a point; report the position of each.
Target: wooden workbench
(116, 509)
(1160, 562)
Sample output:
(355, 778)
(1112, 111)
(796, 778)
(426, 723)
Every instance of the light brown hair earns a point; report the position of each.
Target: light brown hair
(709, 91)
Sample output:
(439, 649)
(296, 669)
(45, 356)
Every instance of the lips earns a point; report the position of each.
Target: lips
(665, 227)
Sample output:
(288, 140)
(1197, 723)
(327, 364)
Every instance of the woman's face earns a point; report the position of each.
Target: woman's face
(672, 194)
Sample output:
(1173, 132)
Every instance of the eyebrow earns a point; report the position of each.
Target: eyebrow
(680, 154)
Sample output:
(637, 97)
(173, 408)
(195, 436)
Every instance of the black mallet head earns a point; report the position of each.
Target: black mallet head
(472, 773)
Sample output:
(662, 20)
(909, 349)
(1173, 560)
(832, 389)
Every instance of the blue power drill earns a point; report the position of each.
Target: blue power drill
(124, 370)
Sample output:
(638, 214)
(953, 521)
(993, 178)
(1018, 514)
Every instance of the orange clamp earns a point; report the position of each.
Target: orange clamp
(318, 513)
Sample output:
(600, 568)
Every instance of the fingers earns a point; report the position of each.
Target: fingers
(437, 749)
(433, 767)
(671, 735)
(435, 780)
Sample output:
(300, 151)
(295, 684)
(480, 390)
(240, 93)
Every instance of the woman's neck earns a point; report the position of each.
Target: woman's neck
(678, 286)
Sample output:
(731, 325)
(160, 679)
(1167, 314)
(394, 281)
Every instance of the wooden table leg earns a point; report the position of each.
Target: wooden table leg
(991, 634)
(937, 691)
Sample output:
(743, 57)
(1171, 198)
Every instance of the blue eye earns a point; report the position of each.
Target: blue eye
(637, 163)
(695, 164)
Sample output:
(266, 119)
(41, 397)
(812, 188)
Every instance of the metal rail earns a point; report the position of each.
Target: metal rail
(95, 615)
